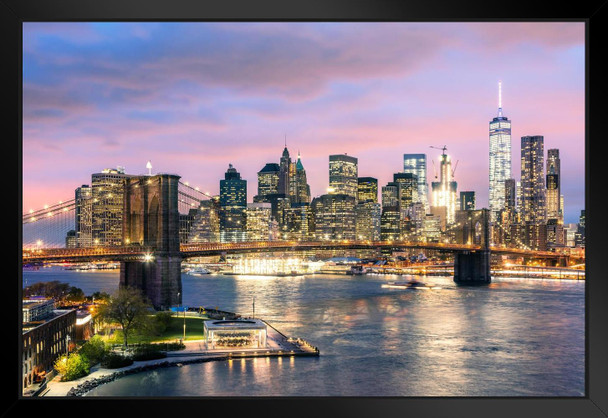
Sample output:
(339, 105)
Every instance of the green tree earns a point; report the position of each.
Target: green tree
(72, 366)
(53, 289)
(99, 297)
(128, 308)
(75, 294)
(162, 320)
(94, 350)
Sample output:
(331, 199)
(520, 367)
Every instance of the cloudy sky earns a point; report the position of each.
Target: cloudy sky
(194, 97)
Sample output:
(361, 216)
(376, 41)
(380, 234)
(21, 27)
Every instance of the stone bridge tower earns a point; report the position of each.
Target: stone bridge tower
(151, 221)
(473, 267)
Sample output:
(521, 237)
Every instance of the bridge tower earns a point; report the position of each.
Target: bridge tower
(151, 221)
(473, 267)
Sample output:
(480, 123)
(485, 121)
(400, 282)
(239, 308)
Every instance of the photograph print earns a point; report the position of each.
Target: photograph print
(303, 209)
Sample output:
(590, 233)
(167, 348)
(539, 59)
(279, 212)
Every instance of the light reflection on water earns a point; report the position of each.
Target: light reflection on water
(515, 337)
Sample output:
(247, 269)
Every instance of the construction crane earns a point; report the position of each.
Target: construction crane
(443, 149)
(454, 170)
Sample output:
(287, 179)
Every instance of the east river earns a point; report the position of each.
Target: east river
(515, 337)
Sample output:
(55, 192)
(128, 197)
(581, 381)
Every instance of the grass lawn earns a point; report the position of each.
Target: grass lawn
(175, 331)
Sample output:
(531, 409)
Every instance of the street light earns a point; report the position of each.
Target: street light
(184, 338)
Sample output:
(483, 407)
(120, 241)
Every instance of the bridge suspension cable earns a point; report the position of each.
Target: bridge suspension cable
(49, 227)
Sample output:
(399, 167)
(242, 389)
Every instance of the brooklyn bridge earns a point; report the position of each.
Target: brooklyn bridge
(153, 248)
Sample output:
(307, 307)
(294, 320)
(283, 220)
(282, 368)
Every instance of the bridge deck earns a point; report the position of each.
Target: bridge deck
(132, 253)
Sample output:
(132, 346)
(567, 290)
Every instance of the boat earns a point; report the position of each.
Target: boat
(357, 270)
(198, 271)
(411, 284)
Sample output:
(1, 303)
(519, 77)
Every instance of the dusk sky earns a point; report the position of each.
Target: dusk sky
(195, 97)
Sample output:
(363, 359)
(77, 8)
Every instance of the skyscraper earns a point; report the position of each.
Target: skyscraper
(444, 190)
(500, 159)
(533, 206)
(300, 190)
(533, 193)
(206, 222)
(334, 217)
(408, 190)
(343, 174)
(467, 200)
(554, 208)
(268, 182)
(416, 164)
(367, 211)
(284, 172)
(108, 189)
(84, 220)
(233, 203)
(259, 219)
(367, 189)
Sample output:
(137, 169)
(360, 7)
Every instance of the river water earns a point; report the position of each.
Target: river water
(515, 337)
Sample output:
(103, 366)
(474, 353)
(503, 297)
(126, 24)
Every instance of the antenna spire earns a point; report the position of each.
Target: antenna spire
(499, 98)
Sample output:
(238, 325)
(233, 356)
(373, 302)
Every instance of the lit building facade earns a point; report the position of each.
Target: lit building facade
(334, 217)
(500, 159)
(300, 190)
(297, 219)
(45, 337)
(368, 218)
(444, 191)
(390, 195)
(432, 228)
(533, 206)
(206, 222)
(285, 173)
(579, 237)
(467, 200)
(83, 197)
(554, 207)
(407, 184)
(233, 203)
(367, 189)
(343, 175)
(268, 182)
(258, 220)
(107, 194)
(390, 227)
(416, 164)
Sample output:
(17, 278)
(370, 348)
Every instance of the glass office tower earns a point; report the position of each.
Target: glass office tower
(233, 203)
(500, 159)
(416, 164)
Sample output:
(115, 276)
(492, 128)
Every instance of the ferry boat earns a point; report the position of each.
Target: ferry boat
(198, 271)
(411, 284)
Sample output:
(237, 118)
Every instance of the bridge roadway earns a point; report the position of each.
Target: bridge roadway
(135, 253)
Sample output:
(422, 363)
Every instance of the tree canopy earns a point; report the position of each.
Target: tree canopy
(128, 308)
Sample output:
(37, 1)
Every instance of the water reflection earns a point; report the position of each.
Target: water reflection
(514, 337)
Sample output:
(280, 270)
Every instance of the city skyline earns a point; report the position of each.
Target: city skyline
(325, 88)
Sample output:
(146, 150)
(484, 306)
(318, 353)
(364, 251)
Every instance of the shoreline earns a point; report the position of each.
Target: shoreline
(279, 346)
